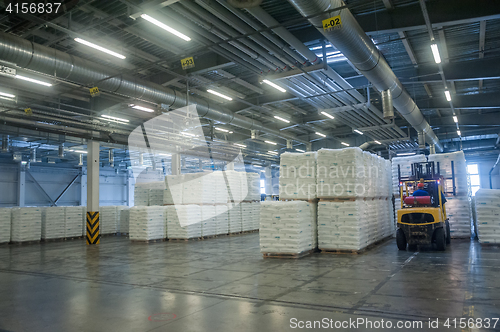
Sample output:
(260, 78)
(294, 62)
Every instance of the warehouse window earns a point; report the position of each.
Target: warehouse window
(475, 182)
(262, 186)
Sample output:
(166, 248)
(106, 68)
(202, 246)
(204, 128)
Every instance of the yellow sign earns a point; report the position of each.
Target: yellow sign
(332, 23)
(94, 92)
(187, 63)
(28, 111)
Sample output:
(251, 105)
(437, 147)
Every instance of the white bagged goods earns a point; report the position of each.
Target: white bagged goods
(147, 223)
(222, 219)
(209, 222)
(460, 169)
(353, 225)
(84, 220)
(198, 188)
(459, 212)
(119, 209)
(156, 193)
(234, 185)
(220, 191)
(124, 220)
(183, 221)
(108, 220)
(285, 227)
(141, 194)
(488, 215)
(5, 222)
(255, 215)
(26, 224)
(405, 167)
(73, 221)
(247, 216)
(235, 221)
(173, 189)
(253, 185)
(53, 222)
(298, 175)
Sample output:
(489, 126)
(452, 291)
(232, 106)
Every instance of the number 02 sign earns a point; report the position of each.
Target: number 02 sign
(187, 63)
(332, 23)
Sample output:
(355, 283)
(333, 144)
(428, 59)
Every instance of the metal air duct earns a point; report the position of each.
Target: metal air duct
(387, 106)
(350, 39)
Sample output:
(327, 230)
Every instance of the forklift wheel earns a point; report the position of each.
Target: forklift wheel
(401, 239)
(440, 239)
(448, 232)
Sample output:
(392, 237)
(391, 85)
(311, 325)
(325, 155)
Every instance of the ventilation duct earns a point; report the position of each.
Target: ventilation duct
(350, 39)
(49, 61)
(387, 105)
(244, 3)
(421, 140)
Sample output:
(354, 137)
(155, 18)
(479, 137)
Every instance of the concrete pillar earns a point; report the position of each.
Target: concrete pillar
(83, 189)
(289, 144)
(176, 164)
(268, 183)
(130, 189)
(309, 146)
(21, 187)
(93, 236)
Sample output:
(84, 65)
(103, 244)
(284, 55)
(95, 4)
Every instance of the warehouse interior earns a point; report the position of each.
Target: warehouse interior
(188, 123)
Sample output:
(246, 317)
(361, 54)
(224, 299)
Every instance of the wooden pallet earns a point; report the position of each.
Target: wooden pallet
(354, 251)
(148, 241)
(235, 233)
(59, 239)
(286, 255)
(339, 199)
(73, 238)
(205, 237)
(186, 240)
(25, 242)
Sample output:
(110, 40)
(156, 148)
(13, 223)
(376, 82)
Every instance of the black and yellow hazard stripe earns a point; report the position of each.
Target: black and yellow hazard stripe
(93, 236)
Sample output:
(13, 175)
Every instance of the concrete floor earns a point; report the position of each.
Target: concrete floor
(224, 284)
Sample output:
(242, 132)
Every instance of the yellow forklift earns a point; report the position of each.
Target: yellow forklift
(422, 219)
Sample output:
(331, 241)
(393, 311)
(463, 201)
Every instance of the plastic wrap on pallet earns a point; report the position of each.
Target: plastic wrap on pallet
(108, 220)
(253, 185)
(222, 219)
(26, 224)
(84, 220)
(183, 221)
(198, 188)
(458, 210)
(255, 215)
(247, 216)
(5, 224)
(156, 193)
(235, 220)
(236, 183)
(173, 189)
(286, 227)
(141, 194)
(298, 175)
(405, 168)
(124, 220)
(53, 223)
(459, 168)
(208, 220)
(147, 223)
(488, 215)
(72, 221)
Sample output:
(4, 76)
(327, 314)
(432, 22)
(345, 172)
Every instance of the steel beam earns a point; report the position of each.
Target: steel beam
(41, 189)
(66, 189)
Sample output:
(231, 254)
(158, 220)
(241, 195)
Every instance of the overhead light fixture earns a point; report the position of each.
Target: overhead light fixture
(406, 154)
(344, 143)
(277, 87)
(435, 52)
(300, 150)
(165, 27)
(269, 142)
(219, 94)
(320, 47)
(257, 166)
(281, 119)
(455, 119)
(32, 80)
(188, 134)
(221, 129)
(79, 151)
(99, 48)
(164, 154)
(272, 152)
(24, 162)
(109, 117)
(328, 115)
(320, 134)
(141, 108)
(240, 145)
(357, 131)
(7, 95)
(459, 133)
(378, 142)
(448, 95)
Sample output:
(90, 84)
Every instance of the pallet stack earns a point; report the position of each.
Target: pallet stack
(72, 221)
(26, 224)
(235, 219)
(173, 189)
(222, 219)
(5, 222)
(53, 223)
(183, 221)
(298, 176)
(209, 221)
(147, 223)
(156, 193)
(108, 220)
(487, 213)
(247, 219)
(124, 220)
(141, 194)
(404, 164)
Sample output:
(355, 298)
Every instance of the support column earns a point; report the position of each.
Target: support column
(83, 187)
(309, 146)
(289, 144)
(130, 189)
(269, 183)
(93, 236)
(176, 164)
(21, 187)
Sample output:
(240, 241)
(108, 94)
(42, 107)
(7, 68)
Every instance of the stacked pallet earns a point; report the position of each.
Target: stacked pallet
(247, 223)
(147, 223)
(253, 185)
(124, 220)
(84, 220)
(53, 223)
(488, 215)
(209, 221)
(141, 194)
(298, 176)
(173, 189)
(286, 227)
(26, 224)
(183, 221)
(5, 222)
(156, 193)
(255, 215)
(219, 191)
(72, 221)
(235, 220)
(108, 220)
(222, 219)
(198, 188)
(404, 164)
(234, 182)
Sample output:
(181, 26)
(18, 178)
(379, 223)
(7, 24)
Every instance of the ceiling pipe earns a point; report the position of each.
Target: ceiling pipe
(491, 171)
(49, 61)
(350, 39)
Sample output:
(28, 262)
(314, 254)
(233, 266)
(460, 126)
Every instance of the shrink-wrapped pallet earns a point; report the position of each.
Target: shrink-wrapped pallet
(147, 223)
(458, 210)
(298, 175)
(183, 221)
(222, 219)
(173, 189)
(73, 221)
(208, 220)
(108, 220)
(198, 188)
(404, 164)
(459, 168)
(156, 193)
(53, 223)
(124, 220)
(253, 185)
(488, 215)
(247, 216)
(5, 223)
(255, 215)
(141, 194)
(235, 221)
(26, 224)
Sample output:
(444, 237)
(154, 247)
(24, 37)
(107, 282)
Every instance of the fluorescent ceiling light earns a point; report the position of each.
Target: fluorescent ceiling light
(448, 95)
(277, 87)
(141, 108)
(406, 154)
(240, 145)
(357, 131)
(222, 129)
(79, 151)
(435, 52)
(328, 115)
(24, 162)
(257, 166)
(320, 47)
(281, 119)
(219, 94)
(7, 95)
(114, 118)
(165, 27)
(300, 150)
(378, 142)
(99, 48)
(344, 143)
(320, 134)
(273, 152)
(164, 154)
(188, 134)
(455, 119)
(32, 80)
(459, 133)
(269, 142)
